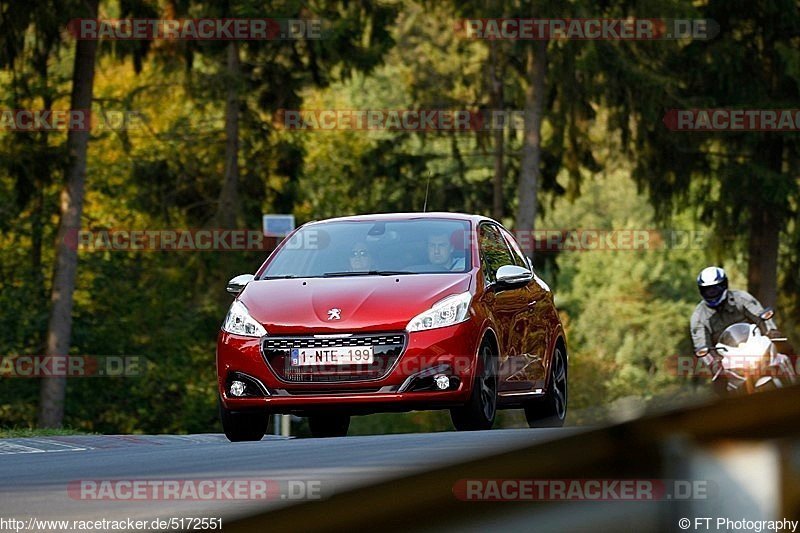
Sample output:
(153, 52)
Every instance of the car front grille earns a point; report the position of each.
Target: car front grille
(387, 348)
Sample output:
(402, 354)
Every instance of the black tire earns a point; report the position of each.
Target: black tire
(243, 426)
(480, 411)
(720, 387)
(551, 411)
(329, 425)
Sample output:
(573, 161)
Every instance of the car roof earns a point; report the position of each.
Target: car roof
(408, 216)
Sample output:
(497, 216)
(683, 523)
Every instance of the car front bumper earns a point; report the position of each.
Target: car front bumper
(450, 351)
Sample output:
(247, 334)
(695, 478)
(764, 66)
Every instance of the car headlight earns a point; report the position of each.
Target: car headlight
(446, 312)
(239, 322)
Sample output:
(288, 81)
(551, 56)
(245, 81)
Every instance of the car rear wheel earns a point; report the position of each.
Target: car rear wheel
(479, 413)
(551, 411)
(329, 425)
(244, 425)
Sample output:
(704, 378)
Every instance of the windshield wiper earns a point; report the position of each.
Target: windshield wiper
(366, 273)
(287, 276)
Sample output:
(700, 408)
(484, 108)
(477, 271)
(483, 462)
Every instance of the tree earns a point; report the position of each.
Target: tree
(741, 184)
(497, 71)
(753, 170)
(29, 40)
(530, 168)
(51, 406)
(228, 198)
(556, 85)
(359, 40)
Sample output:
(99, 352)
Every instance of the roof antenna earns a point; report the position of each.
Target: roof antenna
(427, 186)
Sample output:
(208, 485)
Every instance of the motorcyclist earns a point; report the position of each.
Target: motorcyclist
(722, 307)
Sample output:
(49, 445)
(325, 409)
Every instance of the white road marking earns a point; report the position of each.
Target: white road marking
(13, 446)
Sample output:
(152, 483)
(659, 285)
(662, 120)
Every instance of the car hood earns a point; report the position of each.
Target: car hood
(366, 303)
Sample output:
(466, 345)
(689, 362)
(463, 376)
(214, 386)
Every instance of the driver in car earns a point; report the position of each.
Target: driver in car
(440, 253)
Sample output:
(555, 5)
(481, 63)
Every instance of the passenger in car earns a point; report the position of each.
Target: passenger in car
(360, 258)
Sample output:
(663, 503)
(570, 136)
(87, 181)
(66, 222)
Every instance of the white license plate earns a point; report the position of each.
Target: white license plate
(351, 355)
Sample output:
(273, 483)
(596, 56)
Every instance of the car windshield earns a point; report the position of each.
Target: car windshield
(735, 335)
(369, 247)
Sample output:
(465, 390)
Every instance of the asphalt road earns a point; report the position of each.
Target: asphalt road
(41, 477)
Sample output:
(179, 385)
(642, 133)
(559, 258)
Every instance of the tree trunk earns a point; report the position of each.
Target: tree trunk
(762, 264)
(228, 210)
(38, 218)
(530, 173)
(59, 329)
(766, 222)
(497, 105)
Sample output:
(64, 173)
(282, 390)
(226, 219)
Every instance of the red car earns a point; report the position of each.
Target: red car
(391, 312)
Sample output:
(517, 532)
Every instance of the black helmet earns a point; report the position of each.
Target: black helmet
(713, 285)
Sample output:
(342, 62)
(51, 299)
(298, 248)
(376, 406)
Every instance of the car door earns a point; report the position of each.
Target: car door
(533, 352)
(508, 306)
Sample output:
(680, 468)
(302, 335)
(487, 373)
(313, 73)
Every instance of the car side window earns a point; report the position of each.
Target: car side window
(494, 251)
(519, 257)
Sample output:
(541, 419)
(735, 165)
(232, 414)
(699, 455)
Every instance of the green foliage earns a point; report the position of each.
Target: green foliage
(626, 311)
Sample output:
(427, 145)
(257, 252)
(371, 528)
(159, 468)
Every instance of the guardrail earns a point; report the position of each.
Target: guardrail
(746, 446)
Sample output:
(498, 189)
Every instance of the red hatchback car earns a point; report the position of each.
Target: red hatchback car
(391, 312)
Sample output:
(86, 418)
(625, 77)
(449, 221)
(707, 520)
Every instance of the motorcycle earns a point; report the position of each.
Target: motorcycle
(745, 361)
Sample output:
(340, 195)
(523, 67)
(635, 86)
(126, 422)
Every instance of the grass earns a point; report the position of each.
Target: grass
(16, 433)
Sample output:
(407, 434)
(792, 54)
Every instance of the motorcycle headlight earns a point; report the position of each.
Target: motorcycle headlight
(451, 310)
(239, 322)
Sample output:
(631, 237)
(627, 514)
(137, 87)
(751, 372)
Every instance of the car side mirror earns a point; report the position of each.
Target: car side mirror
(513, 275)
(236, 284)
(767, 314)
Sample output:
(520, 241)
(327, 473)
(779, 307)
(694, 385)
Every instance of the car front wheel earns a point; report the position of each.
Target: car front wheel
(551, 411)
(243, 425)
(481, 409)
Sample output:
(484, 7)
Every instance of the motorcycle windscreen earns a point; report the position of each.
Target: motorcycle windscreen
(735, 334)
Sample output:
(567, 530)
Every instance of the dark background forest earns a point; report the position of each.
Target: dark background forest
(206, 150)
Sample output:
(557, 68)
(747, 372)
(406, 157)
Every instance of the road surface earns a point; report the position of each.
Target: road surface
(58, 478)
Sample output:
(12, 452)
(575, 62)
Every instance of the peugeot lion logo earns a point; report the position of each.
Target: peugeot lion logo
(334, 314)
